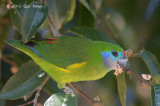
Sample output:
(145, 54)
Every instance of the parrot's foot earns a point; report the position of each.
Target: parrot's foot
(68, 90)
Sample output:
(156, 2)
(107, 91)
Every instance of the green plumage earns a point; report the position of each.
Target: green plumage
(69, 59)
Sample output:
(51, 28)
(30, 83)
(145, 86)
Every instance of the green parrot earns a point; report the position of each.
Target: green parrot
(71, 59)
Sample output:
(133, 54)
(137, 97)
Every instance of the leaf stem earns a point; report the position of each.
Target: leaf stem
(81, 93)
(53, 28)
(134, 73)
(8, 61)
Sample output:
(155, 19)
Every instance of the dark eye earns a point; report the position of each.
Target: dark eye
(115, 54)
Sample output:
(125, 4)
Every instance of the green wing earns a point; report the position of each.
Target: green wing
(64, 52)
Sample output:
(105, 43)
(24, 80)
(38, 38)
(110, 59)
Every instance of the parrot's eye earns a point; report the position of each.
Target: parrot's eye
(115, 54)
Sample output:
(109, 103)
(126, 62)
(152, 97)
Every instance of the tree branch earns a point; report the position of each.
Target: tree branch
(38, 89)
(144, 83)
(81, 93)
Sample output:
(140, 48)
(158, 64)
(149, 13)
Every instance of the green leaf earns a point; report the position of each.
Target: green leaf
(19, 6)
(60, 11)
(51, 87)
(82, 17)
(23, 82)
(16, 18)
(17, 13)
(121, 83)
(34, 16)
(2, 101)
(155, 95)
(92, 34)
(61, 99)
(4, 34)
(152, 64)
(89, 5)
(71, 10)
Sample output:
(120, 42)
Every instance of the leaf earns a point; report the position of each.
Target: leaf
(82, 17)
(89, 5)
(59, 10)
(16, 18)
(71, 10)
(17, 13)
(19, 6)
(155, 95)
(2, 101)
(152, 64)
(121, 83)
(92, 34)
(23, 82)
(61, 99)
(34, 16)
(51, 87)
(4, 34)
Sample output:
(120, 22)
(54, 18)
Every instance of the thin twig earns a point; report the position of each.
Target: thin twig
(42, 1)
(8, 61)
(134, 73)
(30, 102)
(53, 28)
(38, 89)
(81, 93)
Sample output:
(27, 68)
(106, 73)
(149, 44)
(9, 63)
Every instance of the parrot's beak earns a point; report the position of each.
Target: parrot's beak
(124, 53)
(123, 62)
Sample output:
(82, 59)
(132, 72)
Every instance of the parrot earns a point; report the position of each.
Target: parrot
(71, 59)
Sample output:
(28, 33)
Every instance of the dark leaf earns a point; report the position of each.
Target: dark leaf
(19, 6)
(51, 87)
(82, 17)
(23, 82)
(16, 18)
(92, 34)
(89, 5)
(60, 10)
(61, 99)
(2, 101)
(71, 10)
(122, 88)
(152, 64)
(155, 95)
(34, 16)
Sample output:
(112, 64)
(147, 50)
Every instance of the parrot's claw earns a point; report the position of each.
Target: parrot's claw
(68, 90)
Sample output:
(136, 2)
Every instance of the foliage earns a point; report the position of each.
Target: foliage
(108, 21)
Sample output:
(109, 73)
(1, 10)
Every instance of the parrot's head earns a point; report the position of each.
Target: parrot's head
(112, 58)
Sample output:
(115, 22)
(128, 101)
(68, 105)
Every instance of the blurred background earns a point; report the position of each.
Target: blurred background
(134, 24)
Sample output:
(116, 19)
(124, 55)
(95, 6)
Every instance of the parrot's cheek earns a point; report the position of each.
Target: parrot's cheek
(123, 62)
(110, 63)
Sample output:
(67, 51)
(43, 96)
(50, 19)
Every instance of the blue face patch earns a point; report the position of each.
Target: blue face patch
(111, 58)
